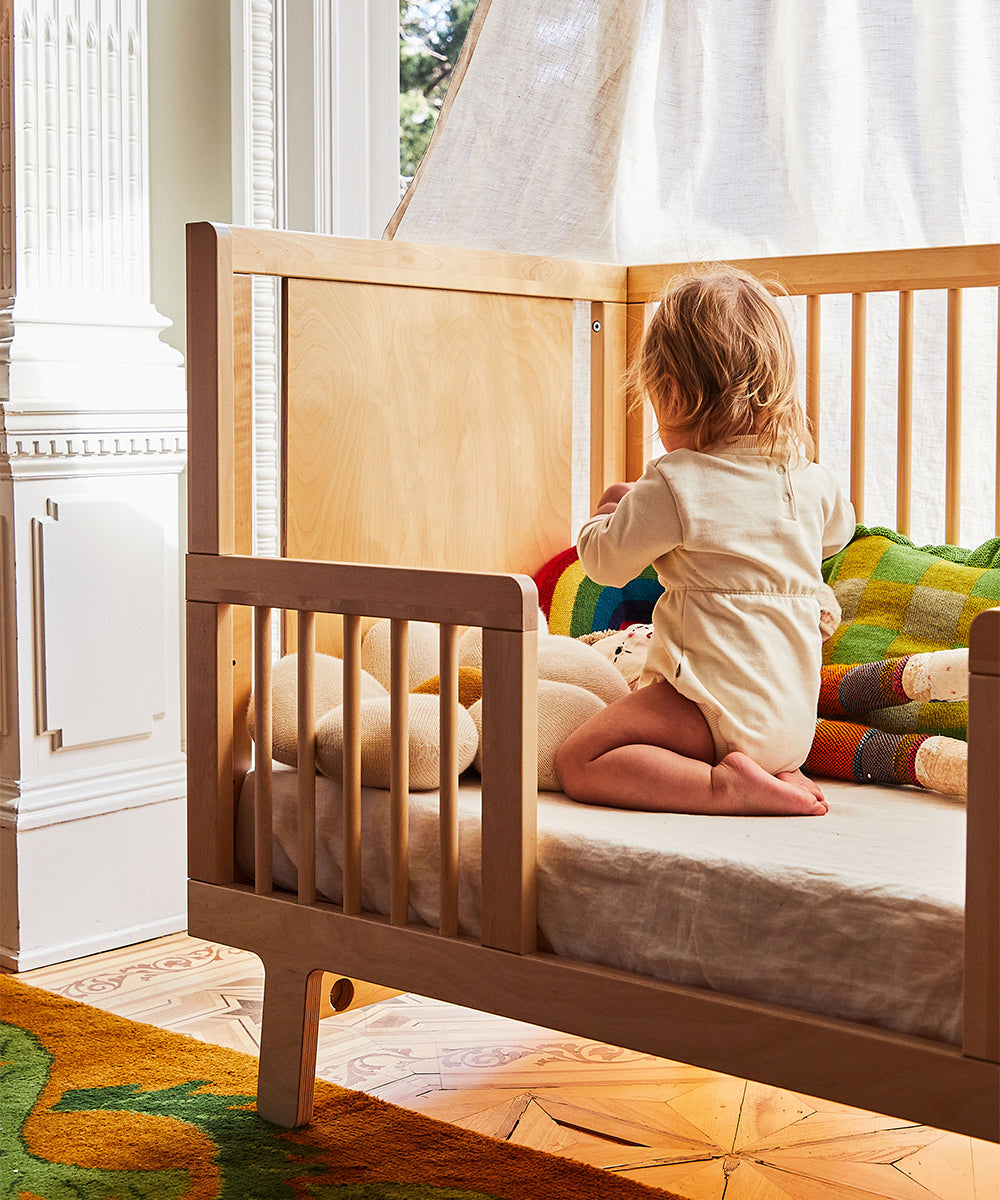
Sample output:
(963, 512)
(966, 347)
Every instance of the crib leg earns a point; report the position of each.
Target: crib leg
(289, 1031)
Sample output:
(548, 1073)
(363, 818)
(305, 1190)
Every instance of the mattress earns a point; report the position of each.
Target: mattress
(856, 914)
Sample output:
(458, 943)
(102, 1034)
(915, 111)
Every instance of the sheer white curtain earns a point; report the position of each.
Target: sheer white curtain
(665, 130)
(654, 130)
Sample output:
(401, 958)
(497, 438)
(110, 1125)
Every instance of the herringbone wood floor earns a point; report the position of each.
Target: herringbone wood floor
(706, 1136)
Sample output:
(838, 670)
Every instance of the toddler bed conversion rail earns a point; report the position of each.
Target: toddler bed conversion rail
(427, 408)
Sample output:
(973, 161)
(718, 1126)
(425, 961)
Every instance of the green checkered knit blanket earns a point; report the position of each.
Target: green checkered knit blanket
(897, 599)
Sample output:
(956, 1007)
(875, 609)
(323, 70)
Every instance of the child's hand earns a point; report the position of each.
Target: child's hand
(611, 498)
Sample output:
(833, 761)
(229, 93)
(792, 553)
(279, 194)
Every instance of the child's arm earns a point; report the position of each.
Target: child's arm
(634, 526)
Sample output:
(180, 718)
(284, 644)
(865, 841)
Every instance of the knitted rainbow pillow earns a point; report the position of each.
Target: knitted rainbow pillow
(575, 605)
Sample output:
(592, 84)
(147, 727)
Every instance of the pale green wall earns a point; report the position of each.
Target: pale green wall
(190, 171)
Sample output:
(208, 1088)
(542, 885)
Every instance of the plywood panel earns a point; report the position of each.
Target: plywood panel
(427, 428)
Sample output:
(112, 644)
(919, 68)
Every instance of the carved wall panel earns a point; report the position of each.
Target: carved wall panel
(98, 572)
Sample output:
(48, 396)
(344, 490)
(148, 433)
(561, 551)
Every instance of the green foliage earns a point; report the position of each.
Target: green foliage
(431, 36)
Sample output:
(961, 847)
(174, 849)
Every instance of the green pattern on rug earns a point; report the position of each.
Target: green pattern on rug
(192, 1130)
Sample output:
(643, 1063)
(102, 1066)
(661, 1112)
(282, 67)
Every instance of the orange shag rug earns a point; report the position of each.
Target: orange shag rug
(98, 1107)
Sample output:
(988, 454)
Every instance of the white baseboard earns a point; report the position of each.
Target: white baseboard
(85, 884)
(46, 956)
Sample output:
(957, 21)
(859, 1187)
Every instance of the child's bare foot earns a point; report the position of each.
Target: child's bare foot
(802, 781)
(743, 788)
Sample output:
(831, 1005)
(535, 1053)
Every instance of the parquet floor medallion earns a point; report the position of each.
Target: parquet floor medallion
(706, 1136)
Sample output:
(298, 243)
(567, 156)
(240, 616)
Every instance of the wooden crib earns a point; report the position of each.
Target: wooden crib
(427, 414)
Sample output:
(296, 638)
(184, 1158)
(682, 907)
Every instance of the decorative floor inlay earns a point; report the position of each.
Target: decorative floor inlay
(706, 1136)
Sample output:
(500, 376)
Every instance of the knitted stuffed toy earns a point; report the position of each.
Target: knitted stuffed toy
(846, 749)
(574, 682)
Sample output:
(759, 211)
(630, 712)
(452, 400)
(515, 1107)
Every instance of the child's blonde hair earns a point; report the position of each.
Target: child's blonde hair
(717, 362)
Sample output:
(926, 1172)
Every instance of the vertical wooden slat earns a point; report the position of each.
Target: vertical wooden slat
(211, 811)
(263, 872)
(953, 434)
(306, 782)
(813, 343)
(904, 415)
(510, 789)
(638, 418)
(607, 397)
(352, 765)
(448, 807)
(211, 433)
(242, 658)
(399, 771)
(981, 989)
(859, 337)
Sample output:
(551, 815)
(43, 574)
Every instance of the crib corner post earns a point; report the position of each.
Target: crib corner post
(981, 1022)
(211, 800)
(510, 788)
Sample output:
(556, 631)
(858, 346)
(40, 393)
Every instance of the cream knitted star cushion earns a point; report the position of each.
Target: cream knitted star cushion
(424, 742)
(328, 693)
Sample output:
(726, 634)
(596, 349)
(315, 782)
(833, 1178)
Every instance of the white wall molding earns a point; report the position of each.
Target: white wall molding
(91, 397)
(80, 145)
(80, 795)
(35, 455)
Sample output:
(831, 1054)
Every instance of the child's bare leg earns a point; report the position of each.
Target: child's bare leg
(653, 750)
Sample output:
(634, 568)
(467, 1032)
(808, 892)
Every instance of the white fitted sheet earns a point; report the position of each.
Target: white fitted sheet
(857, 914)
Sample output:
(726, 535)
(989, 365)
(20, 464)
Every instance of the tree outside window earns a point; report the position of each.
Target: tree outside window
(431, 33)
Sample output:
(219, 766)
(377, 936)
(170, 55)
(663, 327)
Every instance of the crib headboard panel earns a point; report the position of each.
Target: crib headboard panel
(463, 402)
(426, 399)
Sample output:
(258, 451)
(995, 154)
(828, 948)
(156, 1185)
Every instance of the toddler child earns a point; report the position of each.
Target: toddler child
(736, 520)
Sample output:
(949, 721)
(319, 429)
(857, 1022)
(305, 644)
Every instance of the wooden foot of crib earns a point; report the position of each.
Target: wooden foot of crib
(340, 994)
(289, 1031)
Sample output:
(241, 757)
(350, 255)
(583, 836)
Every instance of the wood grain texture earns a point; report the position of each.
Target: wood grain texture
(452, 597)
(510, 789)
(211, 798)
(859, 391)
(913, 1078)
(608, 360)
(306, 759)
(365, 260)
(351, 779)
(288, 1043)
(865, 271)
(427, 426)
(263, 846)
(981, 1021)
(953, 422)
(638, 415)
(429, 429)
(448, 788)
(813, 378)
(211, 457)
(904, 414)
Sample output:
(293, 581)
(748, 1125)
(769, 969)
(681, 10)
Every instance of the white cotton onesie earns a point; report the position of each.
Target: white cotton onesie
(737, 540)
